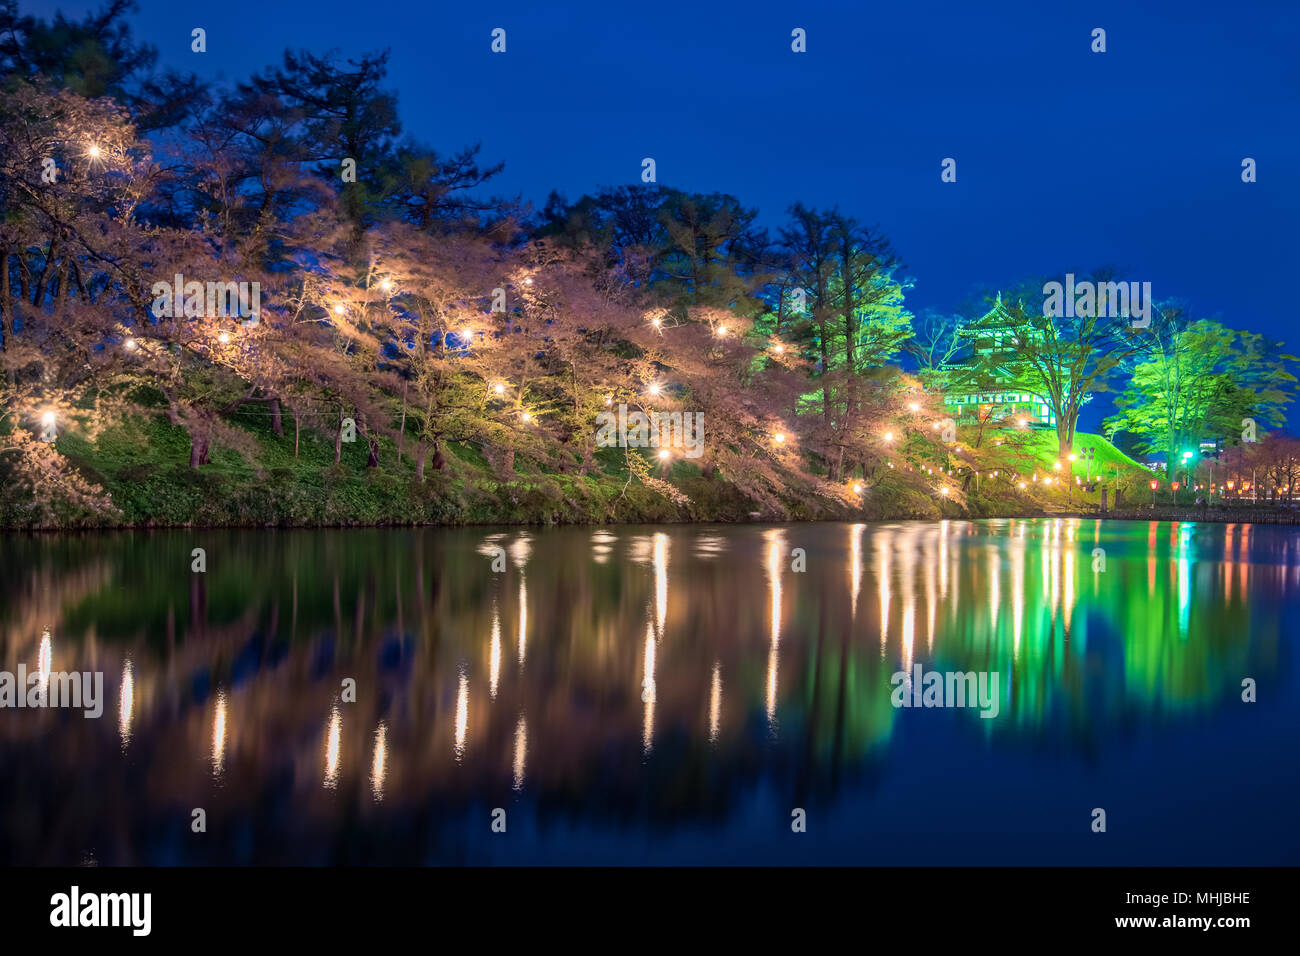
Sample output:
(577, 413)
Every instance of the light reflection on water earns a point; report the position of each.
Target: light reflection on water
(674, 692)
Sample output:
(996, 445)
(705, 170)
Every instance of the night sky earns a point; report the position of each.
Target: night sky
(1066, 159)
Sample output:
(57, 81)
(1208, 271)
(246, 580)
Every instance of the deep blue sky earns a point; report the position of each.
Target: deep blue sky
(1066, 159)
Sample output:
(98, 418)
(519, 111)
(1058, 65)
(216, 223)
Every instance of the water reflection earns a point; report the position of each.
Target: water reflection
(219, 735)
(333, 753)
(521, 752)
(45, 663)
(675, 677)
(125, 704)
(648, 690)
(462, 716)
(775, 554)
(379, 764)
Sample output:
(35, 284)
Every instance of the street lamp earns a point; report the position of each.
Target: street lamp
(1154, 486)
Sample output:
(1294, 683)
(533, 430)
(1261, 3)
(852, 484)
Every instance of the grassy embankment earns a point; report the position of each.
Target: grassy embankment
(143, 465)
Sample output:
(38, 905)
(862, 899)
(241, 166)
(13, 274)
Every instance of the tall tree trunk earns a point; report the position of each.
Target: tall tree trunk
(200, 441)
(372, 459)
(338, 439)
(850, 356)
(6, 302)
(297, 430)
(401, 429)
(24, 277)
(420, 452)
(42, 282)
(277, 422)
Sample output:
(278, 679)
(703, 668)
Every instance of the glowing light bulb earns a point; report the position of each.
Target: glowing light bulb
(386, 284)
(889, 436)
(663, 453)
(499, 388)
(914, 406)
(779, 437)
(130, 344)
(857, 489)
(224, 338)
(93, 152)
(654, 389)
